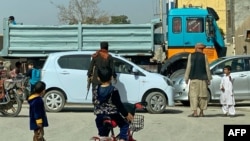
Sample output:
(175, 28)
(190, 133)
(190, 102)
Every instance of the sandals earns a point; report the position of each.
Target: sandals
(201, 115)
(193, 115)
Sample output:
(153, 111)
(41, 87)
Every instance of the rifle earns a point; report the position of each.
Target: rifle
(90, 81)
(88, 85)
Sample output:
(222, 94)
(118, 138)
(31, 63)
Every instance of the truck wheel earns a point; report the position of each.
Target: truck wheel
(54, 101)
(178, 73)
(13, 108)
(156, 102)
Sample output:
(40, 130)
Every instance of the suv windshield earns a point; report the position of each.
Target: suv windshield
(216, 61)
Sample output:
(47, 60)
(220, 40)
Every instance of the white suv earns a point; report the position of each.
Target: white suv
(65, 75)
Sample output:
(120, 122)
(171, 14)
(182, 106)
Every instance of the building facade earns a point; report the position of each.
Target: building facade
(238, 23)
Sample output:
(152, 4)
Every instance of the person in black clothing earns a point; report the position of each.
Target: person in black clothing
(107, 102)
(101, 59)
(199, 75)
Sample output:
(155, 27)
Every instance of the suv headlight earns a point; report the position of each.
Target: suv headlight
(168, 81)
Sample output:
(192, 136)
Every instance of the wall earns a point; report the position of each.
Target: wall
(240, 36)
(241, 23)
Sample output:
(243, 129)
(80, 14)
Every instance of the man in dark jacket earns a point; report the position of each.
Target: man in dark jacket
(198, 72)
(100, 59)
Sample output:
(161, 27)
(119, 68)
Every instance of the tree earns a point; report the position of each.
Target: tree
(84, 11)
(122, 19)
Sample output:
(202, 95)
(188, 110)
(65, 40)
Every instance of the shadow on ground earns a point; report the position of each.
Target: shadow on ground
(91, 109)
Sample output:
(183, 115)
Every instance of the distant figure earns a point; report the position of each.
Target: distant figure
(34, 74)
(101, 59)
(238, 68)
(227, 97)
(12, 20)
(16, 71)
(198, 72)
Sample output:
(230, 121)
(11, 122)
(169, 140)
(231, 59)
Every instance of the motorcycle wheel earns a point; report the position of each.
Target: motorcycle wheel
(13, 108)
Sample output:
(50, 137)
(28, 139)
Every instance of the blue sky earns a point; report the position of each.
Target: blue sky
(42, 12)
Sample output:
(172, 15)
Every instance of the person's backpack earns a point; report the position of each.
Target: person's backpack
(35, 76)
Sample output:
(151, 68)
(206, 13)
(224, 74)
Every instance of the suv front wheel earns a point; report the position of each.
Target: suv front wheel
(54, 101)
(156, 102)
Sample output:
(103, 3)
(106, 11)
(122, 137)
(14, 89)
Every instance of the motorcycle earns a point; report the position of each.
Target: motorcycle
(14, 92)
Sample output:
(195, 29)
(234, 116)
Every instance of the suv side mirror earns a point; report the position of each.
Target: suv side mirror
(218, 71)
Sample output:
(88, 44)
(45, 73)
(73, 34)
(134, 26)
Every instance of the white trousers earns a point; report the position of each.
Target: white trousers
(228, 109)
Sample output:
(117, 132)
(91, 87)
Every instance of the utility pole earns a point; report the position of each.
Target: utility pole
(160, 49)
(161, 15)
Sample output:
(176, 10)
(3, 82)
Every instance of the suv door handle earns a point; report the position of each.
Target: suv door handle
(242, 75)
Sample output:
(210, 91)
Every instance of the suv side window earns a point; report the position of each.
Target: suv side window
(79, 62)
(247, 64)
(237, 65)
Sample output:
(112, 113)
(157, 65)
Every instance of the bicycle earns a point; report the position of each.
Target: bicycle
(136, 125)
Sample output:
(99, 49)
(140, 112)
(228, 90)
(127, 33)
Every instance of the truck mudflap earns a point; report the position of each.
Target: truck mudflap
(174, 63)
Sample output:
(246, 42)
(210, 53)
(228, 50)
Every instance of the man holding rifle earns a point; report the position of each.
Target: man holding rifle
(100, 59)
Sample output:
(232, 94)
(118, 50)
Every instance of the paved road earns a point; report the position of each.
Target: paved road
(75, 123)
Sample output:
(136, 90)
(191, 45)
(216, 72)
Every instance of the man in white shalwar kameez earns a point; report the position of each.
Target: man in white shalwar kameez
(227, 97)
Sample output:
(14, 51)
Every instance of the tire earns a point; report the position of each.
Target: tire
(177, 74)
(13, 108)
(54, 101)
(156, 102)
(208, 96)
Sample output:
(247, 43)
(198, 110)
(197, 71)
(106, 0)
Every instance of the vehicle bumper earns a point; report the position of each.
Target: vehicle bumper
(170, 94)
(181, 93)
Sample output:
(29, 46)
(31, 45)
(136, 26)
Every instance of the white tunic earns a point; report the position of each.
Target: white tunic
(227, 97)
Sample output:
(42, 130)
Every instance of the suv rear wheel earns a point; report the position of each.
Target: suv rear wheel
(54, 101)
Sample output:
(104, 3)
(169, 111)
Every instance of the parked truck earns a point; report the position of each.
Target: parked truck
(137, 42)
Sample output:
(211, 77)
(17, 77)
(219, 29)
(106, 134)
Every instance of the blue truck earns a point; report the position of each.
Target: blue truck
(139, 43)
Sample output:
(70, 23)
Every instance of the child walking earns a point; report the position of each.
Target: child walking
(227, 97)
(107, 102)
(38, 118)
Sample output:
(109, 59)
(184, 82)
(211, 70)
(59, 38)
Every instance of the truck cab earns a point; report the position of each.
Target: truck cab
(185, 28)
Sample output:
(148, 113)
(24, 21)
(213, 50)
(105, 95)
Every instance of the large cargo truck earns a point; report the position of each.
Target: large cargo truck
(137, 42)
